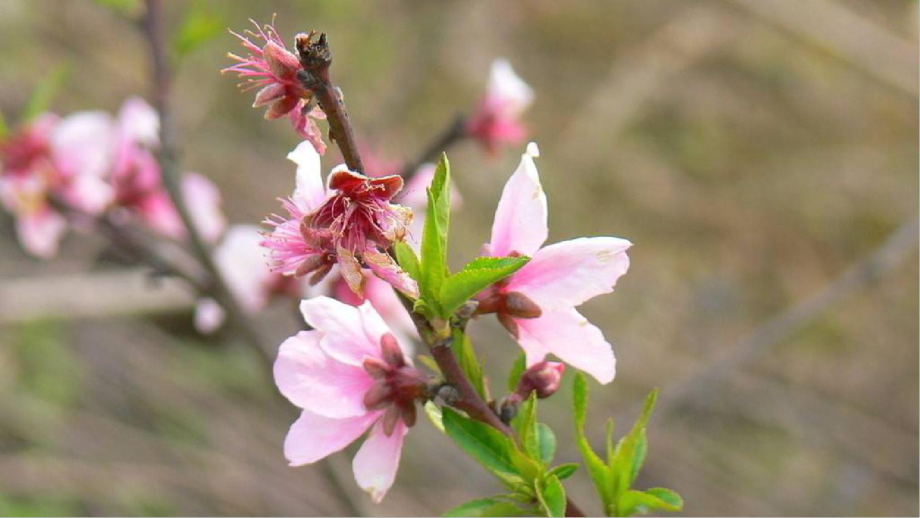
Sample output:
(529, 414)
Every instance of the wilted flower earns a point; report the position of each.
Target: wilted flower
(537, 304)
(272, 69)
(350, 223)
(239, 259)
(349, 376)
(497, 119)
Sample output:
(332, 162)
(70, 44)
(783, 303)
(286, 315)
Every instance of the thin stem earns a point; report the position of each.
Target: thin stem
(451, 135)
(153, 28)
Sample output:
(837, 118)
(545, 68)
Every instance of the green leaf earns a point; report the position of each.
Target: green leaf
(600, 473)
(486, 507)
(429, 362)
(476, 276)
(469, 364)
(546, 441)
(407, 259)
(640, 502)
(44, 93)
(629, 454)
(517, 370)
(199, 25)
(525, 424)
(4, 129)
(433, 268)
(552, 497)
(126, 7)
(563, 471)
(434, 415)
(487, 445)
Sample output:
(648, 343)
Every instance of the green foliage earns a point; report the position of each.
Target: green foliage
(199, 25)
(433, 268)
(433, 412)
(44, 93)
(613, 479)
(493, 450)
(517, 370)
(487, 507)
(476, 276)
(551, 495)
(466, 357)
(407, 259)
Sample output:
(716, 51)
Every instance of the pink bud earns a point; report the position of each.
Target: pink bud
(544, 378)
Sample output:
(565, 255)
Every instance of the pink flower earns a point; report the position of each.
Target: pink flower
(67, 158)
(350, 223)
(496, 120)
(240, 261)
(349, 376)
(138, 181)
(272, 69)
(537, 304)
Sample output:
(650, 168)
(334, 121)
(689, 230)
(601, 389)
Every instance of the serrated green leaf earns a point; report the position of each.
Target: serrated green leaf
(546, 441)
(563, 471)
(476, 276)
(517, 370)
(634, 502)
(44, 93)
(433, 412)
(639, 456)
(551, 497)
(433, 268)
(525, 424)
(407, 260)
(486, 507)
(626, 461)
(469, 363)
(485, 444)
(199, 25)
(599, 472)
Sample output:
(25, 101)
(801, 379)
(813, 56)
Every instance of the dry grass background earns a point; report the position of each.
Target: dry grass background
(753, 151)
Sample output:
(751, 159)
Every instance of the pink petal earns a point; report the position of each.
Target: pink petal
(159, 213)
(310, 192)
(88, 193)
(566, 274)
(313, 380)
(202, 198)
(138, 122)
(208, 316)
(352, 333)
(270, 93)
(313, 437)
(521, 217)
(377, 461)
(386, 268)
(568, 335)
(82, 144)
(240, 260)
(40, 232)
(282, 62)
(508, 88)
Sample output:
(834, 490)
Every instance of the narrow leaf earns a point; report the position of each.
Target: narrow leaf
(599, 471)
(433, 412)
(525, 424)
(563, 471)
(667, 496)
(634, 502)
(629, 453)
(44, 93)
(486, 507)
(546, 441)
(469, 363)
(407, 259)
(552, 497)
(517, 370)
(433, 268)
(475, 277)
(482, 442)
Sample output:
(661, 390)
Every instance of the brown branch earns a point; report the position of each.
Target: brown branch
(316, 57)
(153, 28)
(451, 135)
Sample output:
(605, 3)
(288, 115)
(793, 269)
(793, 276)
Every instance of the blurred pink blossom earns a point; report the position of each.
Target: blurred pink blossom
(537, 304)
(497, 118)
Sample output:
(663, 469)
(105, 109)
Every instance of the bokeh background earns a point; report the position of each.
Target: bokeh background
(760, 154)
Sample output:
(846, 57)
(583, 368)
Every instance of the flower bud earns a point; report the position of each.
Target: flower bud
(543, 378)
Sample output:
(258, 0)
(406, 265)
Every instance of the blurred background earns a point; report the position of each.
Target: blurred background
(761, 155)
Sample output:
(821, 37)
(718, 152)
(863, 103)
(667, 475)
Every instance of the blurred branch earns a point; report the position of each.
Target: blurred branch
(449, 136)
(831, 26)
(899, 245)
(90, 295)
(153, 29)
